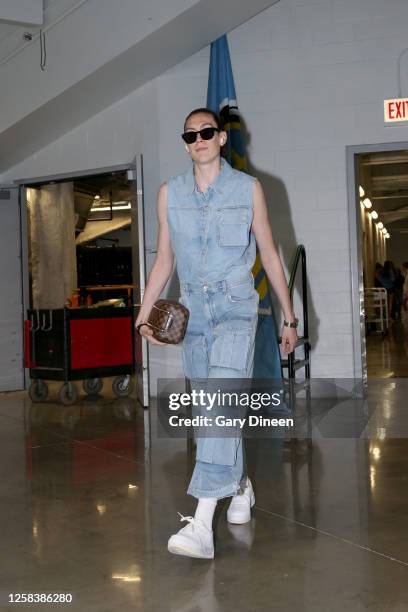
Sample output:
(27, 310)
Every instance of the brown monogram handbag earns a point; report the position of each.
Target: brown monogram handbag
(168, 319)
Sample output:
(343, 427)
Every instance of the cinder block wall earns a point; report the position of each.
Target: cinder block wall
(310, 79)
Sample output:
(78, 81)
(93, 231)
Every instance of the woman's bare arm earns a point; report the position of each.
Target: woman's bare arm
(271, 263)
(162, 267)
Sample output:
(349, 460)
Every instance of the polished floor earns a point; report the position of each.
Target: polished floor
(90, 494)
(387, 355)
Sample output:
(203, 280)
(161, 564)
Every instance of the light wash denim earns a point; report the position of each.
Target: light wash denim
(215, 251)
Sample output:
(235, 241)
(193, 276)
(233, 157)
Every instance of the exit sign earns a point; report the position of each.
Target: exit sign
(396, 110)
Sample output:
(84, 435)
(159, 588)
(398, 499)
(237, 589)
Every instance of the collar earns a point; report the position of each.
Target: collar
(217, 184)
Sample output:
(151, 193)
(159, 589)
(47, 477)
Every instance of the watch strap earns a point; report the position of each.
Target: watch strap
(291, 323)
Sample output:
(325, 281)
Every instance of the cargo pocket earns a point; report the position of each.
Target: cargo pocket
(194, 355)
(209, 450)
(231, 350)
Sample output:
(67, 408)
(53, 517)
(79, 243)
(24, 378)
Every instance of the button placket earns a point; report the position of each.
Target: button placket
(205, 226)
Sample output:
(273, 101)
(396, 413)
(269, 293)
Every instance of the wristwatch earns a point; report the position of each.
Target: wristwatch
(294, 323)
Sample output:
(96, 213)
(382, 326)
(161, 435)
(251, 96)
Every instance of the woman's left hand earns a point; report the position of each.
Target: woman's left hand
(289, 339)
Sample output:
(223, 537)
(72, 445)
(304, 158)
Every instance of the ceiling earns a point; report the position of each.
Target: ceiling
(83, 80)
(384, 178)
(11, 35)
(111, 188)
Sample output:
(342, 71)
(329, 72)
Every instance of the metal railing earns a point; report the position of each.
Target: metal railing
(291, 363)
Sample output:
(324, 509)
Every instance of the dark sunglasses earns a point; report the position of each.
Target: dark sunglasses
(206, 134)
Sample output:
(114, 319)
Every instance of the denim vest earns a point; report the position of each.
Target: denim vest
(211, 232)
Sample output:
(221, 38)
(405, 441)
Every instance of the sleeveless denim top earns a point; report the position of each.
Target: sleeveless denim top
(211, 232)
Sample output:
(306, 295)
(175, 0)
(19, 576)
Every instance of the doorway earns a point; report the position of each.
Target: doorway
(85, 247)
(378, 207)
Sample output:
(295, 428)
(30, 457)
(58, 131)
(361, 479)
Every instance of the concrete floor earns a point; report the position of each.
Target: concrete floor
(387, 356)
(90, 495)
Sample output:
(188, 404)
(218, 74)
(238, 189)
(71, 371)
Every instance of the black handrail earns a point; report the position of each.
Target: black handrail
(300, 256)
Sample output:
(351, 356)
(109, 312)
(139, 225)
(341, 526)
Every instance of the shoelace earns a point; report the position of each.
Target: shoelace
(189, 519)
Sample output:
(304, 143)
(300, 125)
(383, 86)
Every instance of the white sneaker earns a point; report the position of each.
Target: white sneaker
(239, 511)
(193, 540)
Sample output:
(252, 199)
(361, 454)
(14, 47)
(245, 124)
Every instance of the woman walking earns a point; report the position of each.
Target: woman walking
(209, 219)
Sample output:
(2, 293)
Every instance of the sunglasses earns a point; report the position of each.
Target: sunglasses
(206, 134)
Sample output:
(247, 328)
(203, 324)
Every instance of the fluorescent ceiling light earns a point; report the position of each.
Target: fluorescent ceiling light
(361, 190)
(367, 203)
(387, 235)
(380, 225)
(384, 230)
(122, 207)
(374, 214)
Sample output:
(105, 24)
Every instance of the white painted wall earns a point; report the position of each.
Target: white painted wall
(310, 79)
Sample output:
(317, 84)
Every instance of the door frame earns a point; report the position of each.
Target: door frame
(6, 187)
(356, 246)
(135, 174)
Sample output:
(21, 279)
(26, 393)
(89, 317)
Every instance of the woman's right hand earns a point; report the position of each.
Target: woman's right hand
(147, 333)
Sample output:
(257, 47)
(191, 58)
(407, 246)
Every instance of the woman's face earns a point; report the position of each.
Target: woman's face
(204, 151)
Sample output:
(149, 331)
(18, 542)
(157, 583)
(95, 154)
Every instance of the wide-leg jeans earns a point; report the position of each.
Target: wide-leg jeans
(219, 343)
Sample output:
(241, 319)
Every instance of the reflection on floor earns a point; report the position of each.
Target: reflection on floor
(90, 494)
(387, 356)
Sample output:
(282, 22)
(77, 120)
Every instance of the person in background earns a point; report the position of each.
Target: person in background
(377, 274)
(387, 280)
(398, 291)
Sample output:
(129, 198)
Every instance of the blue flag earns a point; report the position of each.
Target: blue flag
(222, 99)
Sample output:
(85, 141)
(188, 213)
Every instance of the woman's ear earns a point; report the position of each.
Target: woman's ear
(223, 138)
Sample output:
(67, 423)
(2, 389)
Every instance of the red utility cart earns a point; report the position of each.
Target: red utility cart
(85, 344)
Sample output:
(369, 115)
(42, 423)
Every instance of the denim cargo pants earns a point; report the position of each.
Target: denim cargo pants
(219, 344)
(215, 251)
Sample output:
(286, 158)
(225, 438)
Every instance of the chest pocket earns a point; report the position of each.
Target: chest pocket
(233, 225)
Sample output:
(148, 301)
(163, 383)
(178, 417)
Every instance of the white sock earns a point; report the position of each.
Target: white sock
(205, 510)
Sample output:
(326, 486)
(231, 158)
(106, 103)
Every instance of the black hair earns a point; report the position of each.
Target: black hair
(208, 111)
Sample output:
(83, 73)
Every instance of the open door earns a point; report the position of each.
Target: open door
(11, 313)
(123, 182)
(135, 176)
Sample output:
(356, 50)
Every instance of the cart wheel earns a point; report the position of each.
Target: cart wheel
(122, 386)
(38, 391)
(68, 394)
(92, 386)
